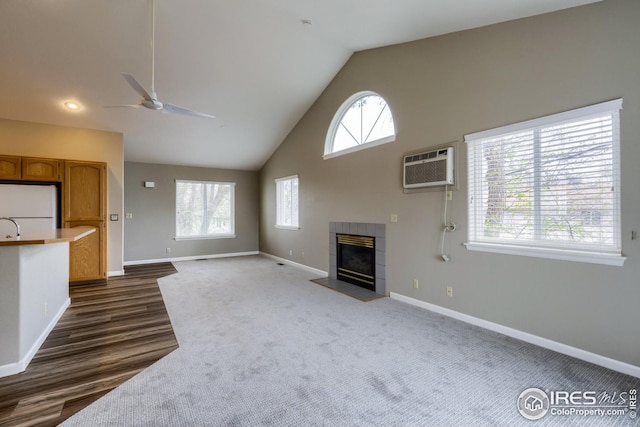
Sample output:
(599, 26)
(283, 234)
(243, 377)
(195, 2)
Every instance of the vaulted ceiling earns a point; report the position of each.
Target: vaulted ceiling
(257, 65)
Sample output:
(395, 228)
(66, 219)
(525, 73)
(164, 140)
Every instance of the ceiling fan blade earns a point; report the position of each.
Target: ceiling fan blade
(174, 109)
(137, 87)
(150, 101)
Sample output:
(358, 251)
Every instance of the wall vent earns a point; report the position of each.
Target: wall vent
(428, 169)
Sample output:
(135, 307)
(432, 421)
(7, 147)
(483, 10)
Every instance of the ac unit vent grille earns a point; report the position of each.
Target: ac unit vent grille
(425, 156)
(428, 169)
(426, 172)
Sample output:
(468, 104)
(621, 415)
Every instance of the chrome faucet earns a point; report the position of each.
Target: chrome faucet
(14, 223)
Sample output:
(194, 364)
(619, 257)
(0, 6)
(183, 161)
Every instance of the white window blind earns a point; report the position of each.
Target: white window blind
(287, 202)
(548, 187)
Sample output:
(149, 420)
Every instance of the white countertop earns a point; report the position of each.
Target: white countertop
(46, 237)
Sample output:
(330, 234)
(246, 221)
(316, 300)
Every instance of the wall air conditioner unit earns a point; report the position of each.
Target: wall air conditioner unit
(428, 169)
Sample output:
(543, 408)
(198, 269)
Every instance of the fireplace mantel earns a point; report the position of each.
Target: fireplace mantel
(376, 231)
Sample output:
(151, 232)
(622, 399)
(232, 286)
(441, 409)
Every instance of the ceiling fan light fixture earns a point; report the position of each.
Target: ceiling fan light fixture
(149, 99)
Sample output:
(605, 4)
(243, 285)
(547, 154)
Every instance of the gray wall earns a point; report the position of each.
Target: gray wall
(153, 226)
(440, 89)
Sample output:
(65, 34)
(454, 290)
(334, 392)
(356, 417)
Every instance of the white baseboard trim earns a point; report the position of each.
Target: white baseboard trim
(587, 356)
(21, 365)
(189, 258)
(295, 264)
(115, 273)
(11, 369)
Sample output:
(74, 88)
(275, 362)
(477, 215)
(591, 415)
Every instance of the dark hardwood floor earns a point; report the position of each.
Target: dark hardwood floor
(108, 334)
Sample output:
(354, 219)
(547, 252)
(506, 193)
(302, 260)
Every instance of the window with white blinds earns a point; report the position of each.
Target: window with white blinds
(548, 187)
(287, 202)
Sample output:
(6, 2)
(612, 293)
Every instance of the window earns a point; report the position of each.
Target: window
(548, 187)
(204, 209)
(364, 120)
(287, 202)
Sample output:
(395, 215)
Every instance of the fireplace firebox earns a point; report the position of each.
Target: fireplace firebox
(356, 260)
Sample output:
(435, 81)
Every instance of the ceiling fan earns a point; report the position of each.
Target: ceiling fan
(150, 100)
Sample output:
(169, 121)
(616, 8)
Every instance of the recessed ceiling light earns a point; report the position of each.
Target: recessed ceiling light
(71, 105)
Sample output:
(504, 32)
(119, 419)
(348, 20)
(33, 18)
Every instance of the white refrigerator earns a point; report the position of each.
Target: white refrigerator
(34, 207)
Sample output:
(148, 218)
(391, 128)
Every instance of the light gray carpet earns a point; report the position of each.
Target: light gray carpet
(262, 345)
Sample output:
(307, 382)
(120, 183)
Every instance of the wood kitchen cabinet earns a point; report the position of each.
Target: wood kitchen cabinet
(30, 169)
(85, 203)
(85, 191)
(87, 256)
(35, 169)
(10, 167)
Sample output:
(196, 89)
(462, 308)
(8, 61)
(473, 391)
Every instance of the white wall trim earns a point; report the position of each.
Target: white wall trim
(21, 365)
(616, 260)
(361, 147)
(189, 258)
(11, 369)
(115, 273)
(295, 264)
(587, 356)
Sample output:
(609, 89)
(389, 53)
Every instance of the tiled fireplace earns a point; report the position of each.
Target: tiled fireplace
(370, 277)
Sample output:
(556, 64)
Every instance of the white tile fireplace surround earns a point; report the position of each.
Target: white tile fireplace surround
(377, 231)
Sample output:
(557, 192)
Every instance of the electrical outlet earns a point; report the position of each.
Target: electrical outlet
(416, 284)
(128, 215)
(449, 291)
(449, 195)
(168, 250)
(301, 254)
(394, 217)
(290, 252)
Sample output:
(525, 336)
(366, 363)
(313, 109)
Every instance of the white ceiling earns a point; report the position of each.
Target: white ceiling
(252, 63)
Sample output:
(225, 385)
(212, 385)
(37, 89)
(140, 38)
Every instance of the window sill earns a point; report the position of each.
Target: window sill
(217, 236)
(557, 254)
(359, 147)
(287, 227)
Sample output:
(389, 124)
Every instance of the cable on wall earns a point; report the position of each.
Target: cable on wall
(447, 225)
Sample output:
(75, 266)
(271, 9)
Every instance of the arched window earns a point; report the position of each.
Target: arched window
(362, 121)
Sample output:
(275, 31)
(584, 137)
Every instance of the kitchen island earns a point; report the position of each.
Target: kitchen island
(34, 291)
